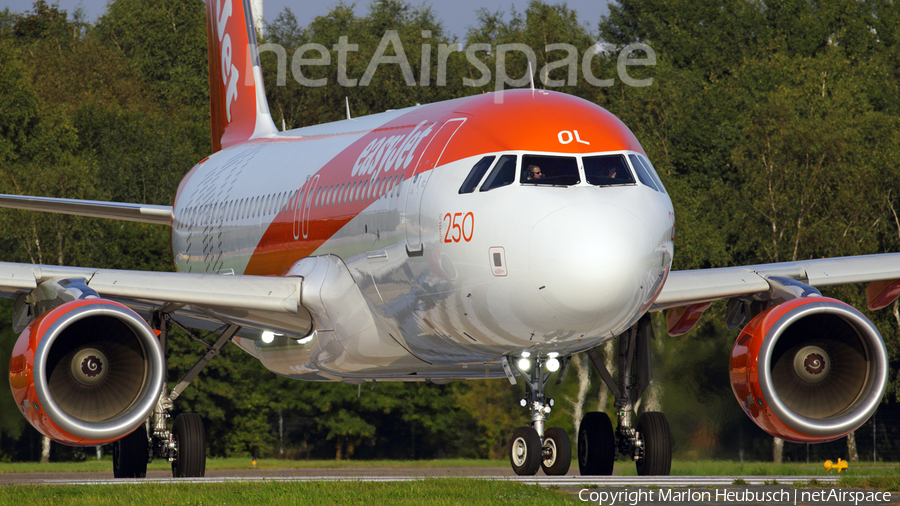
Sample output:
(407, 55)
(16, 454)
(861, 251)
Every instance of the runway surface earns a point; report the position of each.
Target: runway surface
(399, 475)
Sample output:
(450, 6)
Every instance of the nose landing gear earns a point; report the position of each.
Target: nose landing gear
(532, 448)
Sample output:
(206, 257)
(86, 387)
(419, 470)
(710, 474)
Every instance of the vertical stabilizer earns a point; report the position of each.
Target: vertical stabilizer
(237, 98)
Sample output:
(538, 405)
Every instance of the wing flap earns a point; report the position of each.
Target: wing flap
(143, 213)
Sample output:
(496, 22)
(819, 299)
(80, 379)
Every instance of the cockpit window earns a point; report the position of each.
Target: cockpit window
(607, 170)
(653, 174)
(476, 174)
(550, 170)
(642, 172)
(504, 173)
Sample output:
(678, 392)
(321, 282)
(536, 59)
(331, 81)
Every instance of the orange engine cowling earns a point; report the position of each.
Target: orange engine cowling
(809, 370)
(87, 373)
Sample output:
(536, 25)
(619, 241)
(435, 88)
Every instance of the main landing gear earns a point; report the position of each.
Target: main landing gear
(185, 446)
(648, 442)
(533, 448)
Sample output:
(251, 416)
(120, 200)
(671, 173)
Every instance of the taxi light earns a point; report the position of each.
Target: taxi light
(526, 354)
(553, 365)
(524, 364)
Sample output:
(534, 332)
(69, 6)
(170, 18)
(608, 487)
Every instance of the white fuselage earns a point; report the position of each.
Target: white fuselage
(452, 281)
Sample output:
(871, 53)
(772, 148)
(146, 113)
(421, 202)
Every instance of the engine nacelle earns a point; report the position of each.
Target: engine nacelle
(87, 373)
(809, 370)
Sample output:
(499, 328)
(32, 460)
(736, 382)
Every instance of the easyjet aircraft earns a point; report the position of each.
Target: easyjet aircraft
(473, 238)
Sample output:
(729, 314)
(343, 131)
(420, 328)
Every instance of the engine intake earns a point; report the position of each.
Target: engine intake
(87, 372)
(809, 370)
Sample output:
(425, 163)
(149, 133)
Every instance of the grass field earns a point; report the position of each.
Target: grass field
(431, 491)
(426, 492)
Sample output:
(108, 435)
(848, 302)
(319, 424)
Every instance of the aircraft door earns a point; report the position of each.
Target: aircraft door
(428, 160)
(301, 211)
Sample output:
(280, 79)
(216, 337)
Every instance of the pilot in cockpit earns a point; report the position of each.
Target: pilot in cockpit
(533, 172)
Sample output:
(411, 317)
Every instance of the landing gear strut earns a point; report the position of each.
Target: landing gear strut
(533, 447)
(648, 442)
(185, 446)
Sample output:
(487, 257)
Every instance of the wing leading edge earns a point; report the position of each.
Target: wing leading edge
(257, 303)
(143, 213)
(686, 288)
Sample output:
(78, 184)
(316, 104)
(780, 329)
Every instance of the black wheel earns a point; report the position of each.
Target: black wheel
(596, 445)
(525, 451)
(131, 454)
(190, 444)
(653, 429)
(557, 456)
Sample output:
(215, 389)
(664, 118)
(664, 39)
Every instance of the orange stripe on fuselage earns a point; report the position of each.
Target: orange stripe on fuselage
(525, 120)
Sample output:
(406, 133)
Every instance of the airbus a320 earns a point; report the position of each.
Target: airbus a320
(472, 238)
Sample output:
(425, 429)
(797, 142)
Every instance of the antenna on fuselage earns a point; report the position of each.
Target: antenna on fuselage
(347, 102)
(283, 126)
(531, 77)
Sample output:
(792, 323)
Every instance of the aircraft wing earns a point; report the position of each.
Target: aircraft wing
(160, 215)
(257, 303)
(687, 288)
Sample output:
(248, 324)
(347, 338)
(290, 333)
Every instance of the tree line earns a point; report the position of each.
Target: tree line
(775, 127)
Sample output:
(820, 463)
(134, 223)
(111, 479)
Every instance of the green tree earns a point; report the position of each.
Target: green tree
(166, 42)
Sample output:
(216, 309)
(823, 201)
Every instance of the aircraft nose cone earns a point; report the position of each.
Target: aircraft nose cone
(586, 261)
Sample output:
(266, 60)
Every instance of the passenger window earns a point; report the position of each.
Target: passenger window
(550, 170)
(504, 173)
(642, 172)
(476, 174)
(607, 170)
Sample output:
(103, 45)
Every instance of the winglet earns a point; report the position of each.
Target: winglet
(237, 97)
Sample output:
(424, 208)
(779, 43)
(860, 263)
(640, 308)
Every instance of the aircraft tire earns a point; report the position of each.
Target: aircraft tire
(596, 445)
(131, 454)
(525, 451)
(190, 439)
(560, 455)
(654, 429)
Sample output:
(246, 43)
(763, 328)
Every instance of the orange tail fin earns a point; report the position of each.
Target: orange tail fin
(237, 98)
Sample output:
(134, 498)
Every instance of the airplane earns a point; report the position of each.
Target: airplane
(466, 239)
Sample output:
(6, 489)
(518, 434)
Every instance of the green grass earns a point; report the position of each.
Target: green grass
(887, 482)
(424, 492)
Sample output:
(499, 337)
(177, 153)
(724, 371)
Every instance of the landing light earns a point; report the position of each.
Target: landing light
(553, 365)
(524, 364)
(268, 337)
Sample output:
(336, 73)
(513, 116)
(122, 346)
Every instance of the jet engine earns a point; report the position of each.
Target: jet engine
(809, 370)
(87, 373)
